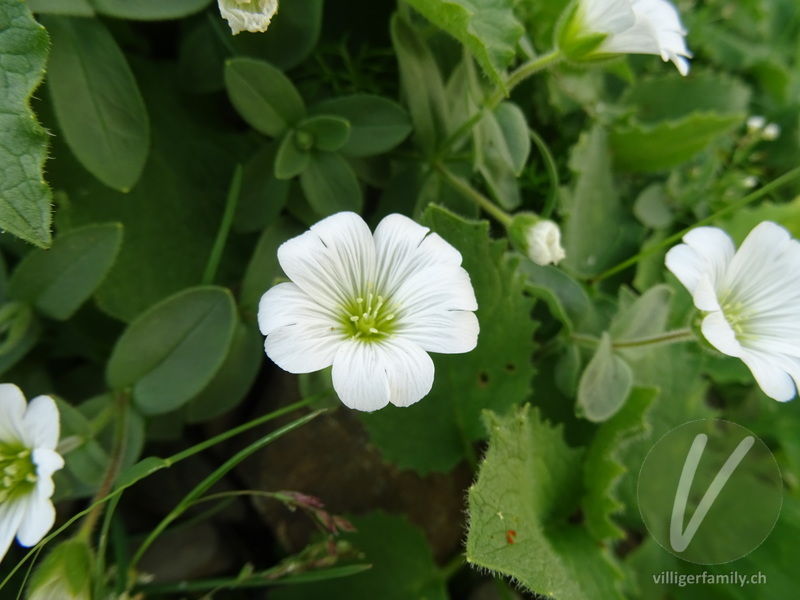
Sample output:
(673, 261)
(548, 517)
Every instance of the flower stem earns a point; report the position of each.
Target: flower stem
(224, 227)
(763, 191)
(669, 337)
(467, 190)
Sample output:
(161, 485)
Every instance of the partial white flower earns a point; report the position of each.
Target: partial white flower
(596, 29)
(539, 239)
(28, 438)
(750, 299)
(248, 15)
(372, 306)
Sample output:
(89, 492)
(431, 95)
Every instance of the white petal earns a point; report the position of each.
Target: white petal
(720, 334)
(409, 370)
(705, 296)
(37, 521)
(775, 382)
(447, 332)
(12, 413)
(706, 250)
(608, 16)
(333, 262)
(41, 423)
(286, 304)
(304, 347)
(359, 376)
(405, 247)
(434, 290)
(11, 514)
(47, 462)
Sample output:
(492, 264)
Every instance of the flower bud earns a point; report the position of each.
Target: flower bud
(65, 574)
(248, 15)
(539, 239)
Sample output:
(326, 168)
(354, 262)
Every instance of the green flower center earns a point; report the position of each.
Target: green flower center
(17, 471)
(736, 315)
(369, 318)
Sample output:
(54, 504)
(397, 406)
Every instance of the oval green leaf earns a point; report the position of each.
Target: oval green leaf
(376, 124)
(149, 10)
(97, 101)
(328, 133)
(291, 159)
(329, 184)
(59, 280)
(605, 384)
(171, 352)
(263, 95)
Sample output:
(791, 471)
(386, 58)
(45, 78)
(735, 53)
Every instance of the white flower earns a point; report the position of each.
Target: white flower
(248, 15)
(750, 298)
(28, 437)
(544, 243)
(596, 29)
(371, 306)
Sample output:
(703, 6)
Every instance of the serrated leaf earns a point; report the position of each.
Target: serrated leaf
(376, 124)
(401, 570)
(172, 351)
(602, 469)
(519, 508)
(263, 95)
(330, 185)
(149, 10)
(595, 225)
(497, 373)
(97, 101)
(24, 195)
(57, 281)
(604, 385)
(487, 28)
(668, 144)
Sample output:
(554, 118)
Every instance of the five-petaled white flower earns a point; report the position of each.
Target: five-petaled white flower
(597, 29)
(28, 437)
(248, 15)
(370, 306)
(750, 297)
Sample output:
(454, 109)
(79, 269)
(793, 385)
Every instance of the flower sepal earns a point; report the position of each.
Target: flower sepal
(576, 43)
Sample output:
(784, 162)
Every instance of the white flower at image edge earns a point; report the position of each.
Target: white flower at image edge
(750, 299)
(370, 306)
(248, 15)
(28, 438)
(626, 27)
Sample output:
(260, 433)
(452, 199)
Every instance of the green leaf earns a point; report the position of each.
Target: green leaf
(376, 124)
(263, 95)
(519, 509)
(513, 141)
(24, 196)
(604, 385)
(65, 574)
(487, 28)
(97, 101)
(173, 350)
(329, 133)
(566, 298)
(330, 185)
(59, 280)
(645, 317)
(262, 196)
(602, 469)
(149, 10)
(595, 235)
(234, 378)
(293, 155)
(668, 144)
(400, 570)
(144, 468)
(76, 8)
(497, 373)
(422, 84)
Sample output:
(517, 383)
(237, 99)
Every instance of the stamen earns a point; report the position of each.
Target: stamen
(373, 330)
(354, 319)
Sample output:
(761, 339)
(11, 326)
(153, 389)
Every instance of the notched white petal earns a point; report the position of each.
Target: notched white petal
(447, 332)
(304, 347)
(359, 376)
(41, 423)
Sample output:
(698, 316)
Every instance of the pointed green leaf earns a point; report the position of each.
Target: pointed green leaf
(24, 195)
(263, 95)
(497, 373)
(172, 351)
(519, 511)
(330, 185)
(604, 385)
(97, 101)
(57, 281)
(487, 28)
